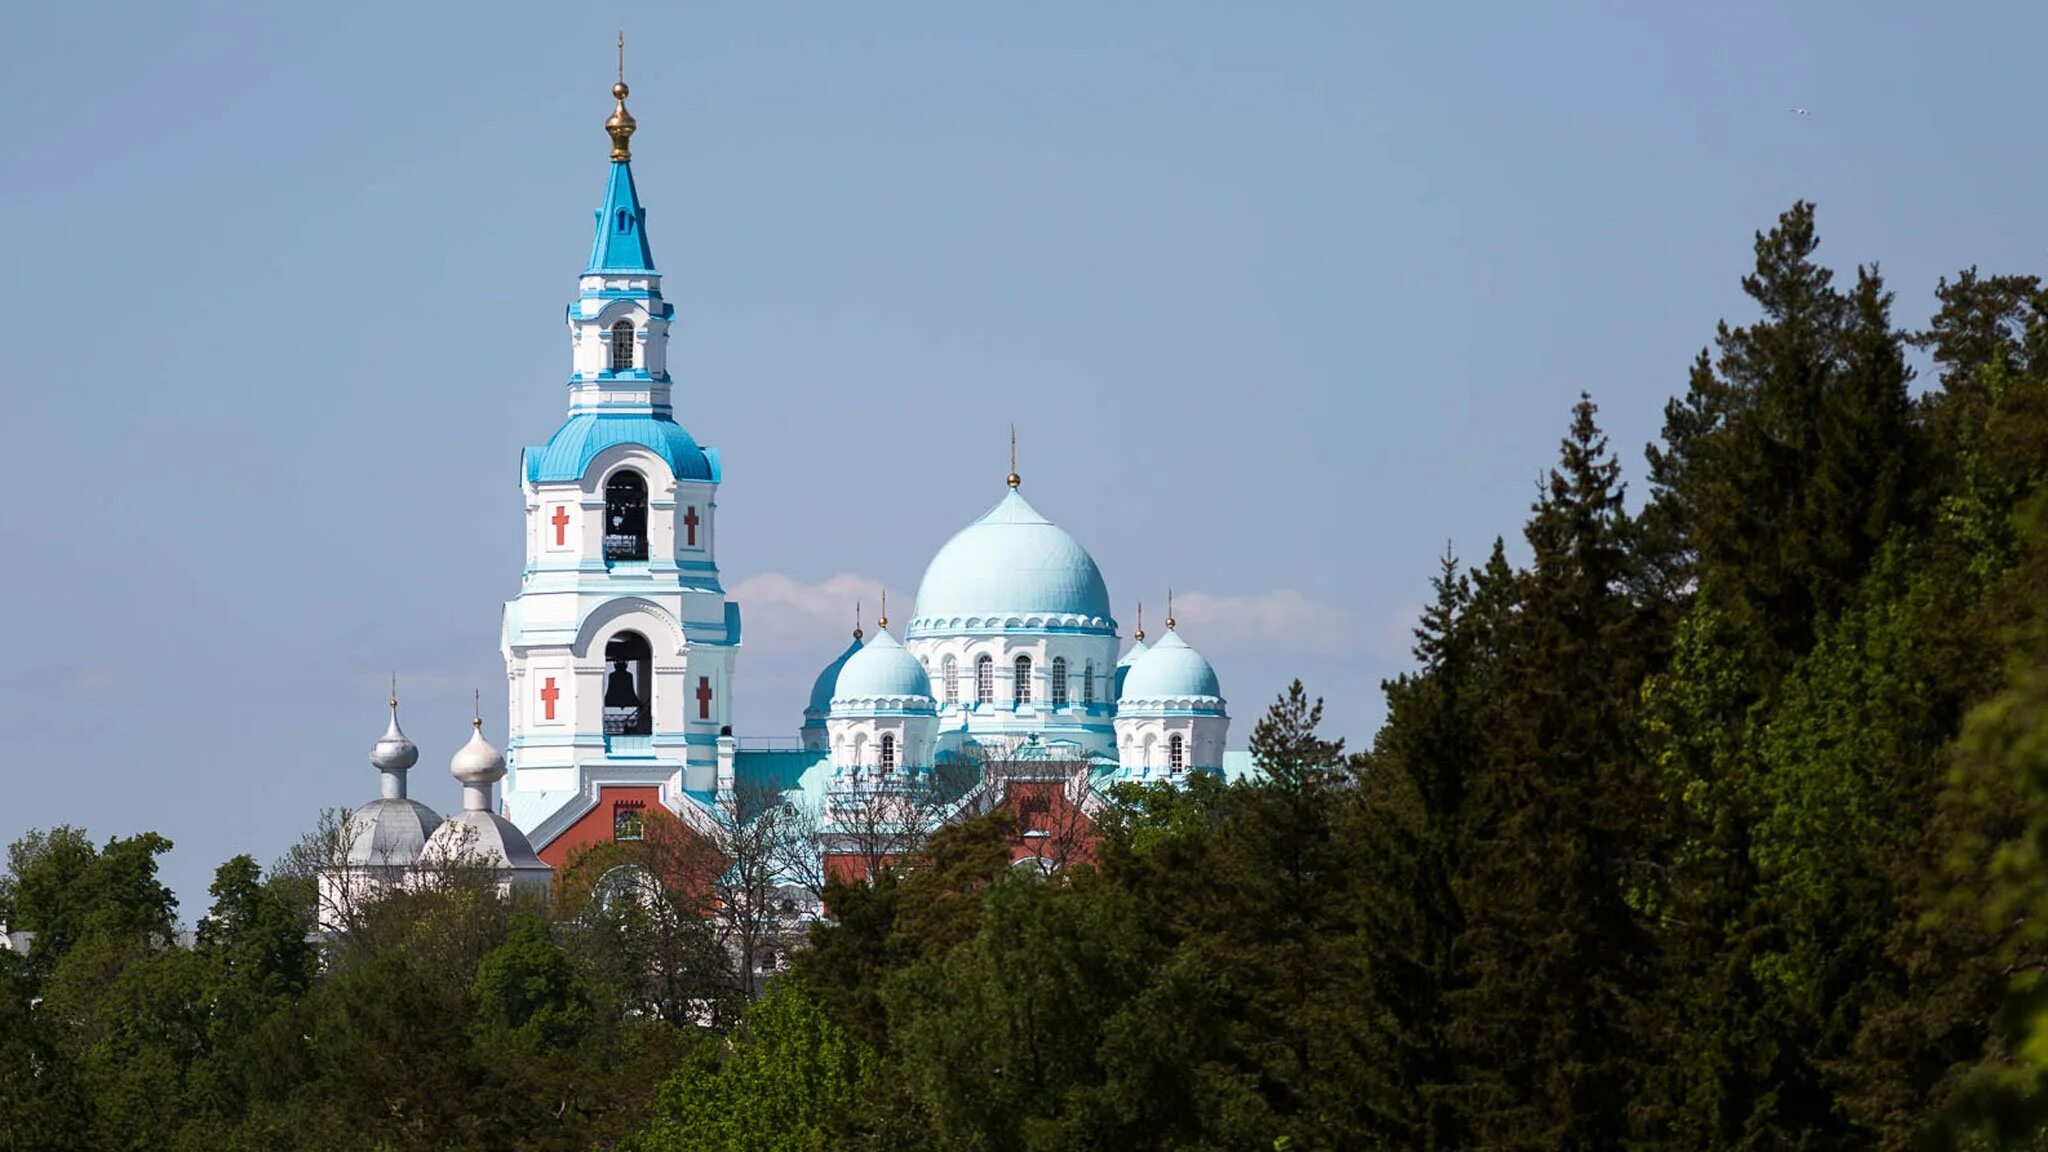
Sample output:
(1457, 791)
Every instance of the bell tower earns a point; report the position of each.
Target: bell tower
(619, 647)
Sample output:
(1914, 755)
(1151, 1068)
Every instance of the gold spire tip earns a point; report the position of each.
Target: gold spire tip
(477, 709)
(1169, 609)
(882, 621)
(620, 126)
(394, 690)
(1139, 635)
(856, 620)
(1014, 478)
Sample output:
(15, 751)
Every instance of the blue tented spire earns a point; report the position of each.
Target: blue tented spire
(621, 243)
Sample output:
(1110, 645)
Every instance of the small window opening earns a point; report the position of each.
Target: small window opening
(1176, 753)
(1088, 683)
(628, 686)
(622, 346)
(1022, 695)
(627, 824)
(625, 517)
(1056, 687)
(985, 680)
(888, 753)
(952, 679)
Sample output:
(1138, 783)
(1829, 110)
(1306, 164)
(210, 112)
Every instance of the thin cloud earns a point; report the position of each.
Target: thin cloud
(784, 614)
(1283, 620)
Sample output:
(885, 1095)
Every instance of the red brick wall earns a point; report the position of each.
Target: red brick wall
(596, 825)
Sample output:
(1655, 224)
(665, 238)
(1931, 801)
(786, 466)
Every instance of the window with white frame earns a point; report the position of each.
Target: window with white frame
(1088, 682)
(622, 346)
(951, 676)
(888, 763)
(1176, 753)
(1022, 694)
(985, 680)
(1056, 683)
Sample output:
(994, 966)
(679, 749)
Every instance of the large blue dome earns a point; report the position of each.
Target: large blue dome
(1012, 564)
(881, 669)
(1170, 670)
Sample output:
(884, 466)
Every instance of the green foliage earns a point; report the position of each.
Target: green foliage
(527, 993)
(784, 1082)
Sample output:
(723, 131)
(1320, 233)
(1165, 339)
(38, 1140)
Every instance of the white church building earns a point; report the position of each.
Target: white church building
(622, 646)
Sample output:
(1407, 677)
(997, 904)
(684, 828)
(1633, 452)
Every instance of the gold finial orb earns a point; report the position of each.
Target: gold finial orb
(1015, 479)
(620, 127)
(620, 91)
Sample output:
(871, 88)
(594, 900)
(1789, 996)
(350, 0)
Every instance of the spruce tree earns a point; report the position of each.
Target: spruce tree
(1557, 956)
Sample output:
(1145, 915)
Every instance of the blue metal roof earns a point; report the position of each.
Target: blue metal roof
(1012, 561)
(821, 688)
(1169, 670)
(621, 243)
(882, 668)
(582, 436)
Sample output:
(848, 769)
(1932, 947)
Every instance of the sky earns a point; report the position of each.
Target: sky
(1282, 299)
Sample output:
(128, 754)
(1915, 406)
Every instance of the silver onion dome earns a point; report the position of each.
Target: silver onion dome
(477, 764)
(393, 752)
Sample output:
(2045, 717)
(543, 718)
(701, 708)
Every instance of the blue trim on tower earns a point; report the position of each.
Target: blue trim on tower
(621, 242)
(581, 437)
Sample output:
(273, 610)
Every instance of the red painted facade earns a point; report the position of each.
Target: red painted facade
(601, 823)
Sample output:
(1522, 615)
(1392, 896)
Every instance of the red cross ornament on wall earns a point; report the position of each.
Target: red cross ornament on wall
(703, 697)
(690, 523)
(561, 523)
(548, 695)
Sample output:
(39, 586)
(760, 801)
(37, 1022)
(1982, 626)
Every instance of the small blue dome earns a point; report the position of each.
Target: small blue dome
(881, 668)
(1123, 666)
(1011, 562)
(828, 680)
(582, 436)
(1137, 649)
(1170, 670)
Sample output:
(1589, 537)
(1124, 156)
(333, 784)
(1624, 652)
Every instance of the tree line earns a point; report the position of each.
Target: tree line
(1720, 823)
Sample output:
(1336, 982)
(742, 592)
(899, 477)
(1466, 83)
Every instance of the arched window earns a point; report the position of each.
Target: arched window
(1023, 681)
(1056, 687)
(985, 680)
(888, 752)
(628, 686)
(628, 823)
(1088, 683)
(625, 516)
(622, 346)
(1176, 753)
(951, 676)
